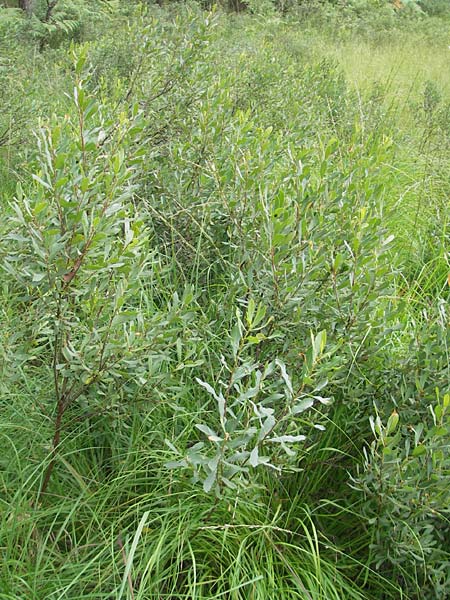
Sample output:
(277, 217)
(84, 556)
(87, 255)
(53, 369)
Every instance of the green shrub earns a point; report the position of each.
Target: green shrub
(75, 241)
(435, 7)
(210, 274)
(406, 483)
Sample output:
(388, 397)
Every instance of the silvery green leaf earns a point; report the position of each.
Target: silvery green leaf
(322, 400)
(41, 181)
(267, 427)
(240, 372)
(229, 483)
(210, 434)
(250, 393)
(264, 411)
(254, 455)
(209, 482)
(231, 470)
(196, 447)
(285, 376)
(176, 464)
(243, 439)
(269, 369)
(124, 317)
(288, 450)
(321, 385)
(287, 439)
(235, 340)
(418, 430)
(213, 463)
(194, 455)
(38, 277)
(302, 406)
(207, 387)
(239, 456)
(221, 407)
(171, 446)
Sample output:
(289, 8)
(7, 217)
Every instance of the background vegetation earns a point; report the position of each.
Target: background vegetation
(224, 342)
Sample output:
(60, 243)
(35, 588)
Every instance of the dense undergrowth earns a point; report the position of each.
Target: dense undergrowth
(224, 348)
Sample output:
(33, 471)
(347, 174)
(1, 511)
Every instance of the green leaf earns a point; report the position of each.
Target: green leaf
(318, 344)
(42, 182)
(268, 425)
(208, 388)
(285, 376)
(176, 464)
(124, 317)
(210, 434)
(80, 61)
(254, 456)
(392, 423)
(250, 312)
(419, 450)
(288, 439)
(303, 405)
(235, 340)
(209, 481)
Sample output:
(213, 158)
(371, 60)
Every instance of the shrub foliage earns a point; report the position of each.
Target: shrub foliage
(224, 350)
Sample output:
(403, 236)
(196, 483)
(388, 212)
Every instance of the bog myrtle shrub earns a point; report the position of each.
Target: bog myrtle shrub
(406, 482)
(217, 358)
(76, 250)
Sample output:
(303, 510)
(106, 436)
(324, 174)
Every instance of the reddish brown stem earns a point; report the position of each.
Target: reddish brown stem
(61, 408)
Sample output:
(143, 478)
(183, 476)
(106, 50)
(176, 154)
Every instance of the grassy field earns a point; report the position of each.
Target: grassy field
(224, 342)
